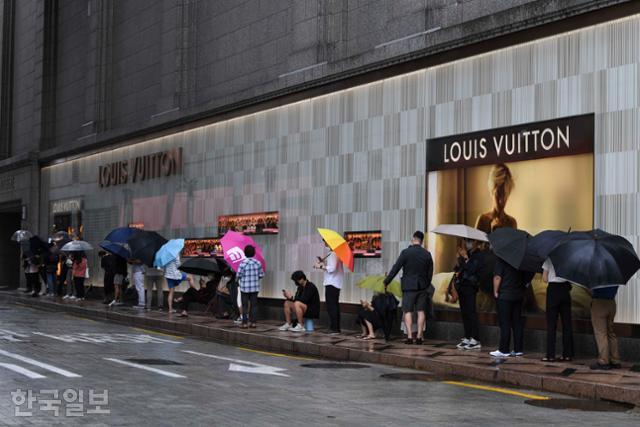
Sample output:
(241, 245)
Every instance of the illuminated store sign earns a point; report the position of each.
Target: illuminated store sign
(141, 168)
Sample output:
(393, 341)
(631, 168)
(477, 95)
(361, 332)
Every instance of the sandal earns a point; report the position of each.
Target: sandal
(368, 338)
(566, 359)
(548, 359)
(183, 315)
(409, 341)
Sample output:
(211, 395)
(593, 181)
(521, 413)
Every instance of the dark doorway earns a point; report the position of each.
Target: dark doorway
(9, 250)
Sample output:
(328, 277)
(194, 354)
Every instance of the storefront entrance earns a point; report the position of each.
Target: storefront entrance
(9, 251)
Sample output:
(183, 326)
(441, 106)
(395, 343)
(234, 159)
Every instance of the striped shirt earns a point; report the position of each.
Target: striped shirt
(249, 274)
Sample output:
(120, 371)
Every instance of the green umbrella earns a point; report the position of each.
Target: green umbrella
(376, 284)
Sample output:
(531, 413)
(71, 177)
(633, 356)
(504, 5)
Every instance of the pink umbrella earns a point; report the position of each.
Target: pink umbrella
(233, 245)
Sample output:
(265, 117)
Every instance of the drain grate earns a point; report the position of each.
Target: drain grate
(334, 366)
(154, 361)
(581, 405)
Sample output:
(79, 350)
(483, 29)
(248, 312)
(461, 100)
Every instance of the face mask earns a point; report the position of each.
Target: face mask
(468, 245)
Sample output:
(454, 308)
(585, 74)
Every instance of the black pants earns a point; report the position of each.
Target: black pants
(467, 296)
(33, 282)
(109, 287)
(559, 303)
(78, 282)
(332, 299)
(249, 298)
(510, 319)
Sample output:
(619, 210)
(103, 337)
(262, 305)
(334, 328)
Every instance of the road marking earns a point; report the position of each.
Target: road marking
(252, 367)
(11, 336)
(102, 338)
(21, 370)
(43, 365)
(498, 390)
(266, 353)
(80, 317)
(158, 333)
(146, 368)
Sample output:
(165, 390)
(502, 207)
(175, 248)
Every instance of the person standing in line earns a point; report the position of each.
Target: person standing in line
(509, 287)
(603, 311)
(68, 277)
(33, 275)
(50, 268)
(558, 304)
(153, 276)
(79, 274)
(107, 263)
(249, 274)
(333, 280)
(137, 274)
(120, 270)
(174, 277)
(417, 271)
(467, 283)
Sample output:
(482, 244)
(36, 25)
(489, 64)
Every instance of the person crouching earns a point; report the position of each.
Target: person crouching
(304, 304)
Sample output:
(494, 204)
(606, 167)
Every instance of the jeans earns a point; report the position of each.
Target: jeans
(249, 298)
(467, 296)
(510, 319)
(33, 282)
(138, 281)
(51, 283)
(332, 299)
(559, 303)
(79, 285)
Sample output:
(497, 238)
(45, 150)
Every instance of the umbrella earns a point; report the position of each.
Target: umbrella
(461, 230)
(338, 245)
(61, 242)
(510, 245)
(61, 235)
(21, 235)
(168, 252)
(120, 249)
(544, 242)
(376, 284)
(200, 266)
(233, 244)
(121, 234)
(595, 259)
(77, 246)
(144, 245)
(38, 245)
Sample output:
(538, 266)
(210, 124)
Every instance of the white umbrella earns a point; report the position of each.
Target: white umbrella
(76, 246)
(21, 235)
(461, 230)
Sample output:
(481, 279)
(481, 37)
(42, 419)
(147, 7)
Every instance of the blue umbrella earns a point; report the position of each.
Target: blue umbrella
(121, 234)
(120, 249)
(168, 252)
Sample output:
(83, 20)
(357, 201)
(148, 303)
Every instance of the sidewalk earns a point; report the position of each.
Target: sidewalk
(439, 357)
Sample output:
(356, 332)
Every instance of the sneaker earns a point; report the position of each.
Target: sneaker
(80, 299)
(499, 354)
(473, 345)
(238, 321)
(599, 367)
(297, 328)
(516, 354)
(285, 327)
(112, 303)
(463, 343)
(331, 332)
(65, 297)
(72, 298)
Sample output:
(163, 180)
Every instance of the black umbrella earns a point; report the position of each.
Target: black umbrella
(38, 245)
(200, 266)
(543, 243)
(61, 242)
(595, 259)
(510, 245)
(144, 245)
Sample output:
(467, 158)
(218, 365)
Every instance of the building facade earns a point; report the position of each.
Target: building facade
(333, 133)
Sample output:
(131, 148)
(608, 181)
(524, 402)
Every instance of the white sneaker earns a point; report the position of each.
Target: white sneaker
(463, 343)
(238, 321)
(285, 327)
(112, 303)
(473, 345)
(297, 328)
(80, 299)
(72, 298)
(499, 354)
(65, 297)
(516, 354)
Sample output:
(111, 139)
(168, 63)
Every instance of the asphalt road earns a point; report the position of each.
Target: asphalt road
(48, 358)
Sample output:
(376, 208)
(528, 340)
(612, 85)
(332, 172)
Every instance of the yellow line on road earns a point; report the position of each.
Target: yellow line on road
(498, 390)
(80, 317)
(266, 353)
(158, 333)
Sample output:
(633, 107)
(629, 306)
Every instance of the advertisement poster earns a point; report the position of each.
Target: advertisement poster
(365, 244)
(254, 223)
(207, 247)
(534, 177)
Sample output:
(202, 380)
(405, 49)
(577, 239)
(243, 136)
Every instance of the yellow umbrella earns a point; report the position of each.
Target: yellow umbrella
(376, 284)
(338, 245)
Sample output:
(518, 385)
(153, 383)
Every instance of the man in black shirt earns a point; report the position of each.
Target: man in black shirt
(417, 270)
(305, 303)
(509, 287)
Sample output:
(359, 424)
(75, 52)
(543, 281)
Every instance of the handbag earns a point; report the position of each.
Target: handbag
(86, 273)
(452, 292)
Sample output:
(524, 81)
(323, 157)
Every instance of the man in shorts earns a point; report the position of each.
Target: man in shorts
(417, 270)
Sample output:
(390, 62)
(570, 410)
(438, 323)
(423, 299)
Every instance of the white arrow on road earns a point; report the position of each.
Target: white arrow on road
(244, 365)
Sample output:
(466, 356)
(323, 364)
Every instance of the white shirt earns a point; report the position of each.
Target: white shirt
(334, 273)
(171, 270)
(551, 272)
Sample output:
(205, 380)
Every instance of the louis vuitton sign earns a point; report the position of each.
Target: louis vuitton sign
(141, 168)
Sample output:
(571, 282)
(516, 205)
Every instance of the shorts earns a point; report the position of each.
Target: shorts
(414, 301)
(118, 279)
(172, 283)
